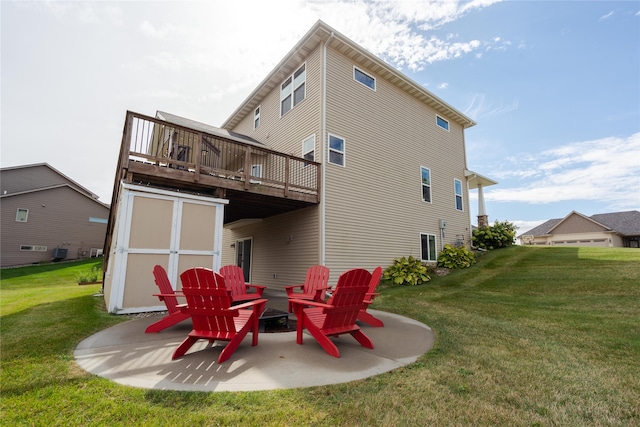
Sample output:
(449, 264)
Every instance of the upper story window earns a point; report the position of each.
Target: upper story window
(309, 148)
(22, 215)
(425, 176)
(336, 150)
(364, 78)
(256, 118)
(458, 189)
(444, 124)
(428, 247)
(292, 91)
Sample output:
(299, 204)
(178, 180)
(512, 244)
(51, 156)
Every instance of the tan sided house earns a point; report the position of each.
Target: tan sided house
(336, 158)
(609, 230)
(48, 216)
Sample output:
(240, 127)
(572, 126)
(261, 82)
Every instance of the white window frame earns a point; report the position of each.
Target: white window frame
(366, 74)
(24, 217)
(422, 185)
(343, 152)
(292, 87)
(256, 118)
(33, 248)
(431, 250)
(455, 191)
(305, 150)
(256, 171)
(444, 120)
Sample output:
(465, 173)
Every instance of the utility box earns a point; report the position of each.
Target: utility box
(59, 253)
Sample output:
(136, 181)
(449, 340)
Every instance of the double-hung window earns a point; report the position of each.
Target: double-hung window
(364, 78)
(428, 247)
(309, 149)
(256, 118)
(457, 184)
(425, 176)
(336, 150)
(444, 124)
(292, 91)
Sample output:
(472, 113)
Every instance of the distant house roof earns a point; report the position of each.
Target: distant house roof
(321, 33)
(63, 176)
(38, 190)
(203, 127)
(624, 223)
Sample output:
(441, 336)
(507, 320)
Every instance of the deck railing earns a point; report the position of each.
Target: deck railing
(164, 144)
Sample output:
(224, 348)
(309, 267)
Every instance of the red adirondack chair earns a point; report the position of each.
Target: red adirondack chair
(234, 279)
(209, 306)
(168, 295)
(314, 288)
(324, 320)
(363, 315)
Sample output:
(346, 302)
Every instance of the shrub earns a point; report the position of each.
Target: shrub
(458, 257)
(499, 235)
(407, 271)
(91, 276)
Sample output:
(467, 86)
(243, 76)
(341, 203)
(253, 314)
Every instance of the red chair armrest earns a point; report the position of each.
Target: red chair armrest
(311, 303)
(250, 304)
(290, 288)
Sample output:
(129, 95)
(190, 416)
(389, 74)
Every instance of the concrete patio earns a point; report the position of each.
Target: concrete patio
(126, 355)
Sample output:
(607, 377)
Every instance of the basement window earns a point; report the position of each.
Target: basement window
(33, 248)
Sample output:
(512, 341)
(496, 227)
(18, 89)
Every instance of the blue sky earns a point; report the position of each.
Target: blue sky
(553, 85)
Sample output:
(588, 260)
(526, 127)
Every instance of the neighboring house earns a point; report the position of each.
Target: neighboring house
(610, 230)
(336, 158)
(46, 215)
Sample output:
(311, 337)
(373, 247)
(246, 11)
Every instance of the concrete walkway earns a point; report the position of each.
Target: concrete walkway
(126, 355)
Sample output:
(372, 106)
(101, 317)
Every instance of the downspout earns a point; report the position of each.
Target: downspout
(323, 163)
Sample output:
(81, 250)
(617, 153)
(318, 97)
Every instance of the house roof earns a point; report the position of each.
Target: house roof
(203, 127)
(320, 33)
(39, 190)
(66, 178)
(475, 179)
(624, 223)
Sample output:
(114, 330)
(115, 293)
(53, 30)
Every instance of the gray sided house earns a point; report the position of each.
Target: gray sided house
(46, 216)
(335, 158)
(609, 230)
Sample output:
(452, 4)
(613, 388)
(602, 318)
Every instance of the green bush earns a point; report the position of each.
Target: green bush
(407, 271)
(458, 257)
(499, 235)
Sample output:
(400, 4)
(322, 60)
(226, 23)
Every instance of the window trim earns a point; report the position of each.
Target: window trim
(313, 150)
(291, 93)
(366, 74)
(256, 118)
(438, 117)
(431, 251)
(461, 195)
(33, 248)
(343, 152)
(19, 217)
(422, 185)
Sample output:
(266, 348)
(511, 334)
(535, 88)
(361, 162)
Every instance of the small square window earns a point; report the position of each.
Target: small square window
(22, 215)
(364, 78)
(444, 124)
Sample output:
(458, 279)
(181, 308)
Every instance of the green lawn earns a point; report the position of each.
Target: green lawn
(528, 336)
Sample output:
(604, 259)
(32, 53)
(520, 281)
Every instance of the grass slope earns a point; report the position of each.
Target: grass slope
(528, 336)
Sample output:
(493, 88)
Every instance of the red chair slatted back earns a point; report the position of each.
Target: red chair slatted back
(208, 301)
(347, 299)
(162, 280)
(317, 278)
(373, 284)
(234, 279)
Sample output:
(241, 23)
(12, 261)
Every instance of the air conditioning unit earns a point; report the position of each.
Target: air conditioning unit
(59, 253)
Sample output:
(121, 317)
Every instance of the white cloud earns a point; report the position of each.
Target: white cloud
(603, 170)
(443, 85)
(479, 107)
(607, 16)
